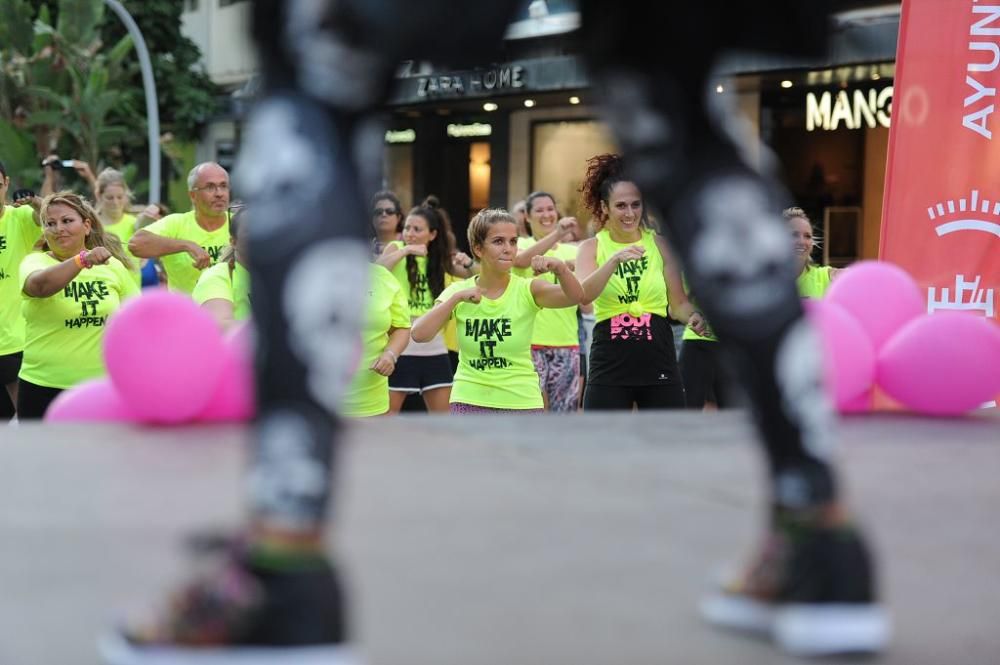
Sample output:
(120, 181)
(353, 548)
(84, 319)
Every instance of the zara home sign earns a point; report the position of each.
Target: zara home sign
(508, 77)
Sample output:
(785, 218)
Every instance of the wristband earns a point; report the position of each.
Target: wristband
(392, 353)
(81, 260)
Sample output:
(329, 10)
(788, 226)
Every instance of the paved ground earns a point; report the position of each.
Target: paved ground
(505, 540)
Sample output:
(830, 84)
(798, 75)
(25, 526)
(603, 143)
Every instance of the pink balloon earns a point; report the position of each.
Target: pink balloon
(94, 401)
(863, 403)
(165, 356)
(234, 399)
(942, 364)
(881, 296)
(848, 357)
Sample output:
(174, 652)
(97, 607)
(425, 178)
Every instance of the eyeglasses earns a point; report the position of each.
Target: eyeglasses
(378, 212)
(212, 188)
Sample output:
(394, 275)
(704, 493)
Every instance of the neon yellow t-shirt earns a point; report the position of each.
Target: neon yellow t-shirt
(18, 234)
(63, 332)
(217, 283)
(814, 281)
(368, 394)
(494, 348)
(124, 229)
(419, 297)
(637, 287)
(181, 273)
(553, 327)
(450, 329)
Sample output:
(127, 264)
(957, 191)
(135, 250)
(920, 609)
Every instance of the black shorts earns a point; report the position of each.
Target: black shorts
(10, 365)
(415, 374)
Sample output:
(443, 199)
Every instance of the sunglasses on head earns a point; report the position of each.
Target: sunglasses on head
(384, 211)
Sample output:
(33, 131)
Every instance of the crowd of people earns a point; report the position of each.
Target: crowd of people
(68, 261)
(487, 331)
(514, 322)
(546, 315)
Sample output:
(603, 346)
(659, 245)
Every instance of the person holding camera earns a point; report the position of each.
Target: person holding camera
(78, 278)
(52, 168)
(187, 243)
(19, 231)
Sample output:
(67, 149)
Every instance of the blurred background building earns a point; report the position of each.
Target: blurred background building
(490, 134)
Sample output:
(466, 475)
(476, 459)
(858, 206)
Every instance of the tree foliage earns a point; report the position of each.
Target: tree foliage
(70, 83)
(61, 88)
(187, 97)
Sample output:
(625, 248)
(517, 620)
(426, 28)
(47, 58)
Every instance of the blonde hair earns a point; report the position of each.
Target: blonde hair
(485, 219)
(795, 212)
(97, 237)
(109, 177)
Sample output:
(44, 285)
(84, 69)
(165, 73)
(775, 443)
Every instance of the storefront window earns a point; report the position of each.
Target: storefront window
(834, 172)
(559, 153)
(397, 172)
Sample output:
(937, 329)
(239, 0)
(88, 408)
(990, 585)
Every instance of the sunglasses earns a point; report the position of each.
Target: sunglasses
(377, 212)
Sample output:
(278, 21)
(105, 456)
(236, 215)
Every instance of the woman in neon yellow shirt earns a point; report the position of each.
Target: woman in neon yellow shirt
(387, 220)
(71, 286)
(555, 344)
(113, 197)
(19, 230)
(385, 334)
(629, 274)
(420, 262)
(495, 313)
(813, 280)
(224, 289)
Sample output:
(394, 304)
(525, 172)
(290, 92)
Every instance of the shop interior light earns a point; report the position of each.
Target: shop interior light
(529, 103)
(719, 88)
(490, 106)
(786, 84)
(574, 100)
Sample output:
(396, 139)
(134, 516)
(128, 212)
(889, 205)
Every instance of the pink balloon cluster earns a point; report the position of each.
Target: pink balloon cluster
(168, 364)
(876, 333)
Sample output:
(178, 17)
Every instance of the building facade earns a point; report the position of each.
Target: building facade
(491, 134)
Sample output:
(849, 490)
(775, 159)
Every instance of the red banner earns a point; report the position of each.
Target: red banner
(941, 212)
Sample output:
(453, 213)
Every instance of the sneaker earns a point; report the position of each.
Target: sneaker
(811, 589)
(240, 613)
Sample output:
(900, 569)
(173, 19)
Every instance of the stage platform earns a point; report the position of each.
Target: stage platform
(506, 540)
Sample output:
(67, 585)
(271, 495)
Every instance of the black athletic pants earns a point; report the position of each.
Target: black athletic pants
(312, 152)
(33, 400)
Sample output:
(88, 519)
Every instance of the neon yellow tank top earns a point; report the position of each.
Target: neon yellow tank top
(636, 287)
(814, 281)
(553, 327)
(418, 297)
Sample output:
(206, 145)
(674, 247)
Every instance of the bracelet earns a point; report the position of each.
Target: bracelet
(81, 260)
(395, 358)
(468, 266)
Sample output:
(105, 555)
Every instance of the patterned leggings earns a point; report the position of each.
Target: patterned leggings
(558, 370)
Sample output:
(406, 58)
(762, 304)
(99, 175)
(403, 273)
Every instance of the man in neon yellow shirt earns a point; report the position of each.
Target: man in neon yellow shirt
(19, 230)
(187, 243)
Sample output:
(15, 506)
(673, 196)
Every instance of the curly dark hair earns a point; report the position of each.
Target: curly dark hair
(438, 256)
(603, 173)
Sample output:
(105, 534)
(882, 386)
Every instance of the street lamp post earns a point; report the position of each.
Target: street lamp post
(152, 110)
